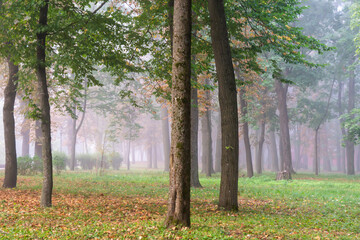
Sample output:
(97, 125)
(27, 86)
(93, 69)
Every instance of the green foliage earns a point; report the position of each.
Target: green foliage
(59, 161)
(352, 125)
(115, 159)
(29, 166)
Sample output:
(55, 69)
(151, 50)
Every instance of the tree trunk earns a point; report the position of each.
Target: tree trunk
(73, 144)
(44, 106)
(38, 137)
(316, 159)
(9, 127)
(194, 179)
(350, 168)
(218, 148)
(228, 198)
(155, 150)
(180, 156)
(327, 158)
(165, 135)
(245, 130)
(128, 156)
(206, 144)
(149, 156)
(260, 147)
(274, 154)
(25, 132)
(284, 128)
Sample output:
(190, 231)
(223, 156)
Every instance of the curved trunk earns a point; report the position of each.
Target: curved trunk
(228, 198)
(9, 127)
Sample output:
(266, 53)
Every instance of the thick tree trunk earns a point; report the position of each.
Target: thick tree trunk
(260, 147)
(180, 156)
(194, 182)
(350, 168)
(245, 130)
(274, 154)
(165, 135)
(45, 107)
(284, 128)
(228, 198)
(9, 127)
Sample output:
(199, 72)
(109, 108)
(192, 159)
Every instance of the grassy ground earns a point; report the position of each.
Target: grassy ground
(132, 205)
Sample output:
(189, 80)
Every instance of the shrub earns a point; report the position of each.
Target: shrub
(87, 161)
(24, 165)
(59, 161)
(115, 159)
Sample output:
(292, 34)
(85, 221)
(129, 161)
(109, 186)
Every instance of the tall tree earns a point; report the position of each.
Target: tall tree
(44, 105)
(228, 106)
(165, 135)
(179, 190)
(9, 126)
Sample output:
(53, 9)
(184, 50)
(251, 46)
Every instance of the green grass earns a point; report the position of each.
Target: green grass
(132, 205)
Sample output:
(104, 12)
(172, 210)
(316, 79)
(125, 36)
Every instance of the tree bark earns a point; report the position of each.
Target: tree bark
(245, 130)
(9, 127)
(228, 198)
(180, 156)
(194, 179)
(260, 147)
(165, 135)
(206, 136)
(284, 127)
(44, 106)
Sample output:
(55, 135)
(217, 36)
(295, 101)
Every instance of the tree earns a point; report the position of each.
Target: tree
(9, 126)
(179, 189)
(228, 106)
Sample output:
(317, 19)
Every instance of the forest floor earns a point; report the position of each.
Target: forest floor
(132, 205)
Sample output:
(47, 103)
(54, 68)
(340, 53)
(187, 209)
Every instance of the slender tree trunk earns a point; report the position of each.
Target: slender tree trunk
(350, 145)
(327, 158)
(284, 128)
(206, 143)
(194, 182)
(73, 144)
(180, 156)
(9, 127)
(274, 154)
(25, 131)
(165, 135)
(228, 198)
(245, 129)
(260, 147)
(128, 155)
(45, 107)
(338, 150)
(316, 159)
(149, 156)
(218, 148)
(155, 150)
(38, 137)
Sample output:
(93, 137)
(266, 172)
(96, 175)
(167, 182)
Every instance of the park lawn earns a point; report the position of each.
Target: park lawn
(132, 205)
